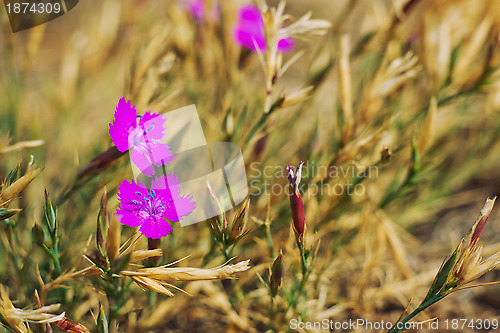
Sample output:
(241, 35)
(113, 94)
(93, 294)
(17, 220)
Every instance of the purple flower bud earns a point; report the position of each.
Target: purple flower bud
(296, 204)
(481, 221)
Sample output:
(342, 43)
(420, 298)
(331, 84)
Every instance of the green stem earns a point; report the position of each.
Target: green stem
(115, 294)
(269, 238)
(420, 308)
(305, 273)
(259, 123)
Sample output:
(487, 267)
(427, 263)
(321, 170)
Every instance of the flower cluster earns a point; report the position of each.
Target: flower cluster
(147, 207)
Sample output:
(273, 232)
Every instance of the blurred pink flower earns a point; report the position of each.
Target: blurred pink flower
(198, 10)
(152, 208)
(249, 31)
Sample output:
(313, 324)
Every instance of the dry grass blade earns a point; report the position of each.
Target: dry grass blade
(190, 273)
(21, 145)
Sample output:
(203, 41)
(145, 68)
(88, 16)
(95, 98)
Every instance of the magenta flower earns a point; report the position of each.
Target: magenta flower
(142, 137)
(249, 31)
(151, 209)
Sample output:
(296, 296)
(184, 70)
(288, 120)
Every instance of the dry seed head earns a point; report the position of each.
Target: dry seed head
(152, 284)
(296, 97)
(144, 254)
(391, 75)
(482, 268)
(190, 273)
(38, 316)
(305, 25)
(397, 73)
(17, 318)
(274, 30)
(156, 278)
(218, 223)
(6, 308)
(469, 266)
(9, 192)
(239, 222)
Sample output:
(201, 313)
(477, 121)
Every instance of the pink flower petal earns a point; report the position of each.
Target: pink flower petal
(154, 124)
(286, 44)
(129, 192)
(168, 188)
(125, 120)
(182, 206)
(156, 228)
(160, 153)
(142, 161)
(249, 31)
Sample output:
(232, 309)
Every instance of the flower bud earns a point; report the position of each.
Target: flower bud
(38, 234)
(481, 221)
(6, 213)
(102, 322)
(277, 274)
(102, 225)
(296, 204)
(50, 212)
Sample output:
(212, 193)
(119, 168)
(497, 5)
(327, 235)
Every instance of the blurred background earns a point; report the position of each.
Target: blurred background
(408, 88)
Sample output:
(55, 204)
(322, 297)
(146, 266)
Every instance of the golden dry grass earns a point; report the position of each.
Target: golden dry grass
(405, 94)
